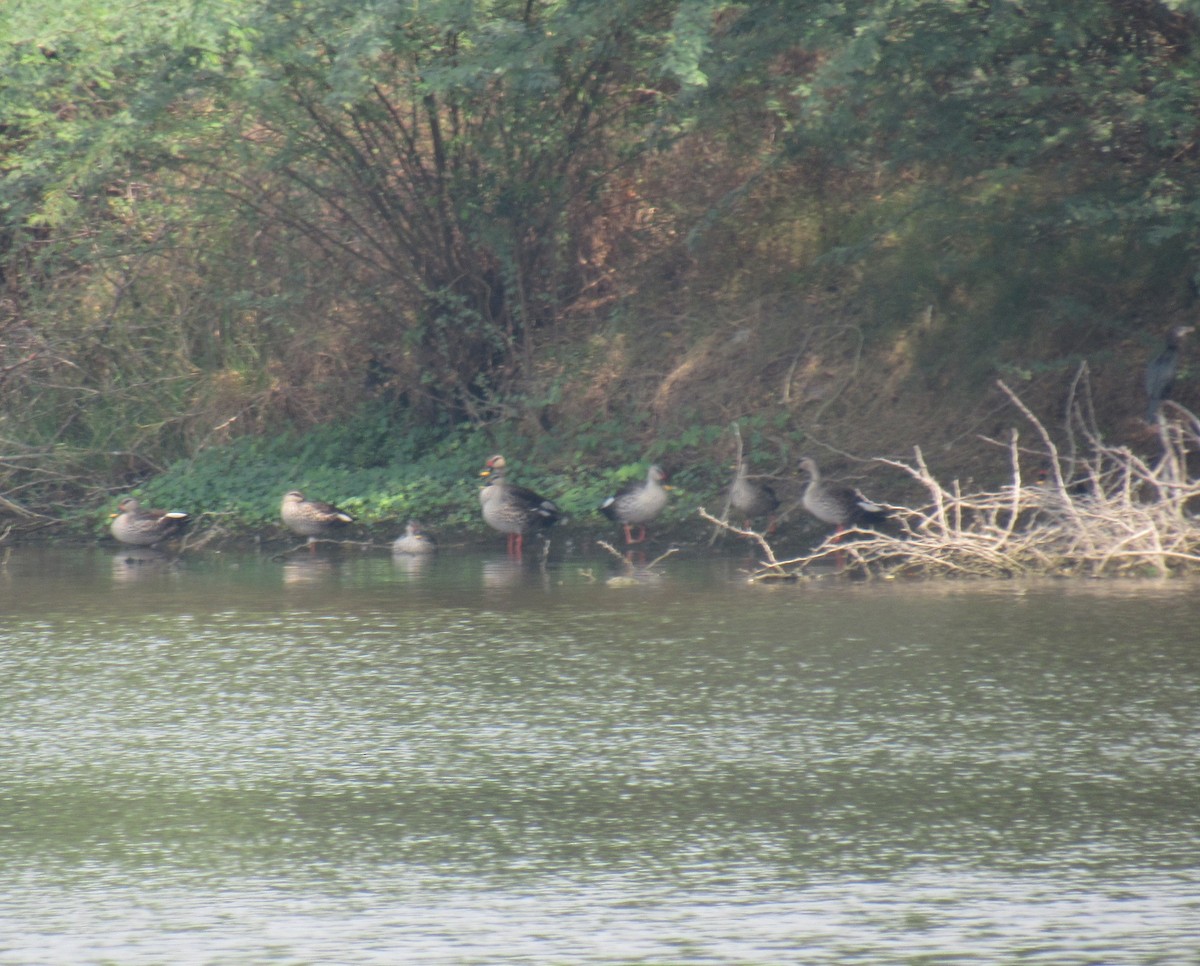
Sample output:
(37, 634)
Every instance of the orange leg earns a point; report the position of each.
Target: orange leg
(629, 534)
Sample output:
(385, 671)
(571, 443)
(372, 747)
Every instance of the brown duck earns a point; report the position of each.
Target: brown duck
(312, 518)
(144, 528)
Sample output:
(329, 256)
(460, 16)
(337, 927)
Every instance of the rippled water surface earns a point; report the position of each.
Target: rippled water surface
(351, 759)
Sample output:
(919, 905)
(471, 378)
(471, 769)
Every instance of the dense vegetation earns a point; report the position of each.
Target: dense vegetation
(249, 244)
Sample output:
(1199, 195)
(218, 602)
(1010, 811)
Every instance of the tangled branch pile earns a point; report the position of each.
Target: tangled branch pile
(1090, 509)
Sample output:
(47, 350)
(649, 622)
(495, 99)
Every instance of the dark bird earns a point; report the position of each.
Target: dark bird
(512, 509)
(637, 503)
(1075, 486)
(312, 518)
(1161, 370)
(414, 540)
(839, 506)
(144, 528)
(752, 498)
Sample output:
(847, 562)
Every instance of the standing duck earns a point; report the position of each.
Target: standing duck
(638, 503)
(752, 498)
(1161, 370)
(144, 528)
(312, 518)
(839, 506)
(415, 540)
(512, 509)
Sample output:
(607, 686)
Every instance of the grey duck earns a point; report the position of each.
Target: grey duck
(638, 503)
(839, 506)
(512, 509)
(752, 498)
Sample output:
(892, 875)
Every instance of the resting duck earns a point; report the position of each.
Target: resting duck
(414, 540)
(839, 506)
(312, 518)
(144, 528)
(637, 503)
(752, 498)
(512, 509)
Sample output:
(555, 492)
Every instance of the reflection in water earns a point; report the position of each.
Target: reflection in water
(412, 563)
(501, 573)
(131, 564)
(306, 568)
(392, 767)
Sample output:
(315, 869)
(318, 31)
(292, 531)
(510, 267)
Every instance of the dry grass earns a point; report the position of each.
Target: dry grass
(1091, 509)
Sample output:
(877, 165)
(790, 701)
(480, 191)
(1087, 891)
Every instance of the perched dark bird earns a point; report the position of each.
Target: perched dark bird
(144, 528)
(1075, 486)
(752, 498)
(415, 540)
(637, 503)
(512, 509)
(312, 518)
(839, 506)
(1161, 370)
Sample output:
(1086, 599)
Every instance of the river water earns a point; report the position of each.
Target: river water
(346, 758)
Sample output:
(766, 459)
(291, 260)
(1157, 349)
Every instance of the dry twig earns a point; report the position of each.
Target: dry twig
(1100, 510)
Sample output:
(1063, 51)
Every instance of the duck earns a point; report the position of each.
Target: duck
(313, 519)
(752, 498)
(511, 509)
(144, 528)
(1161, 370)
(839, 506)
(638, 503)
(415, 540)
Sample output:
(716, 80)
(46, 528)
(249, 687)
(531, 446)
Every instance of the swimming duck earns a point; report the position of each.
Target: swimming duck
(512, 509)
(638, 503)
(752, 498)
(144, 528)
(1161, 370)
(839, 506)
(414, 540)
(312, 518)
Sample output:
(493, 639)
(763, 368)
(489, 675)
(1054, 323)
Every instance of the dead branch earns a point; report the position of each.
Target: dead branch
(1101, 510)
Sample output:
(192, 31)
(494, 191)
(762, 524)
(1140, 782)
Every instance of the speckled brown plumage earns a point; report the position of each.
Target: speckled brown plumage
(313, 519)
(144, 528)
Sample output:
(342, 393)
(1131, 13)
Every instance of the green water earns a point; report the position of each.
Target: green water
(352, 759)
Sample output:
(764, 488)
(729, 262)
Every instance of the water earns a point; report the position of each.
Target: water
(350, 759)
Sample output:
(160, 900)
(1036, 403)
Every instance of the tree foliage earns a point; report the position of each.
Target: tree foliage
(236, 214)
(452, 159)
